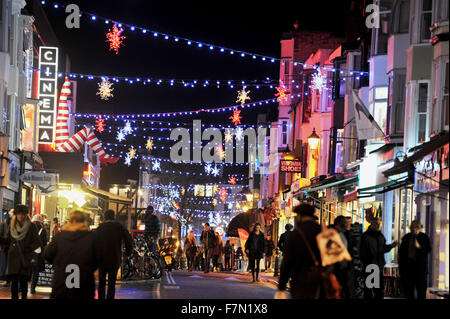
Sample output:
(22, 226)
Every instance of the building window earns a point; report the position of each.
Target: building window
(425, 20)
(380, 106)
(284, 132)
(445, 104)
(422, 112)
(402, 17)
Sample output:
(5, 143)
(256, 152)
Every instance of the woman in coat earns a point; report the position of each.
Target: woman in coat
(190, 247)
(254, 247)
(218, 251)
(40, 262)
(22, 240)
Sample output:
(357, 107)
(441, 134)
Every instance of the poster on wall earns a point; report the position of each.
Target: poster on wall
(13, 174)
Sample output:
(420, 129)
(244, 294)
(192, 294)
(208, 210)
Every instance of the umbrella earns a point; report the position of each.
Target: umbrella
(240, 221)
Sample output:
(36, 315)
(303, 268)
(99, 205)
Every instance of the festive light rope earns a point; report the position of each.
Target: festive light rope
(191, 187)
(211, 47)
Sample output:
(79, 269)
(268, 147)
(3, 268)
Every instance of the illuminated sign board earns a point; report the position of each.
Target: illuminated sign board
(291, 166)
(47, 89)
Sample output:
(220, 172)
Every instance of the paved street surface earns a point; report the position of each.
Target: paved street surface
(183, 285)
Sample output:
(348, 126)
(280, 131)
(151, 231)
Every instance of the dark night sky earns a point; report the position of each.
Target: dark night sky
(253, 26)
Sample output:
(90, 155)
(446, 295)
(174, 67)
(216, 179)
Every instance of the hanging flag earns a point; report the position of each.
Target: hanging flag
(366, 125)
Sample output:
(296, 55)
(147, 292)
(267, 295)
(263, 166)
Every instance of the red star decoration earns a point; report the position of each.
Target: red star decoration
(100, 124)
(236, 118)
(222, 194)
(232, 180)
(281, 93)
(114, 38)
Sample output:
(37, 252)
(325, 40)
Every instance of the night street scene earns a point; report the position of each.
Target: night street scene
(224, 158)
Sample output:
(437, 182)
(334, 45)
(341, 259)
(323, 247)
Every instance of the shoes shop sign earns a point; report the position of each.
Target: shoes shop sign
(290, 166)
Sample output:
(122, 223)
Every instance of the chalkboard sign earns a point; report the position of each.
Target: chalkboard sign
(358, 278)
(45, 277)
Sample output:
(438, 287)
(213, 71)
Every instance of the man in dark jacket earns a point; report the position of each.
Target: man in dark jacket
(372, 248)
(413, 261)
(39, 265)
(152, 228)
(209, 241)
(108, 244)
(283, 237)
(72, 253)
(298, 262)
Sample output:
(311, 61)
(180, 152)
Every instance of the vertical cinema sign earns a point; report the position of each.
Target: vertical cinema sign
(48, 79)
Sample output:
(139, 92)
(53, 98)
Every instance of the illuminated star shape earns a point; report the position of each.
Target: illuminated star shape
(208, 168)
(236, 118)
(132, 152)
(215, 188)
(105, 89)
(156, 166)
(215, 171)
(243, 96)
(228, 136)
(120, 136)
(128, 160)
(100, 124)
(114, 38)
(318, 81)
(127, 129)
(282, 93)
(239, 133)
(232, 180)
(149, 145)
(222, 194)
(220, 152)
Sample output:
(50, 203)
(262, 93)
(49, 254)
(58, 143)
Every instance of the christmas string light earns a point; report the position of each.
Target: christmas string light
(192, 43)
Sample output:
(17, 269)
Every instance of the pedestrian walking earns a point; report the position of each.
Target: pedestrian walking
(109, 237)
(254, 248)
(208, 239)
(372, 248)
(269, 247)
(4, 235)
(239, 255)
(218, 252)
(190, 248)
(342, 269)
(72, 253)
(152, 228)
(300, 256)
(22, 240)
(413, 261)
(39, 264)
(228, 250)
(55, 227)
(283, 237)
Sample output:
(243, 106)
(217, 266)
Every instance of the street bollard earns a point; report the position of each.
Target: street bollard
(277, 262)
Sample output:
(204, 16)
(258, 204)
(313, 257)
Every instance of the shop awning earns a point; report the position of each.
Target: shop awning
(334, 181)
(422, 150)
(383, 188)
(107, 195)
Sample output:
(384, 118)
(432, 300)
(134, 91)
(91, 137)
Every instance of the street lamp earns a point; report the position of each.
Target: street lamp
(313, 140)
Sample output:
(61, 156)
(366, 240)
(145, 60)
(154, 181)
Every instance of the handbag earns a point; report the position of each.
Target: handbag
(327, 278)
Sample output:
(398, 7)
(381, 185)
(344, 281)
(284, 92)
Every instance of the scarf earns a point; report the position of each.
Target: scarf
(19, 232)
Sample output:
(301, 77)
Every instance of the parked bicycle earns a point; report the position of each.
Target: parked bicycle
(143, 263)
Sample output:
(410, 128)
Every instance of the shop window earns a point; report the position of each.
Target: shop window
(422, 112)
(284, 132)
(425, 20)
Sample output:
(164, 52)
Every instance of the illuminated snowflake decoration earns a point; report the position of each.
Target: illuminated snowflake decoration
(232, 180)
(156, 166)
(149, 145)
(318, 81)
(120, 136)
(228, 136)
(127, 129)
(236, 118)
(215, 188)
(100, 124)
(128, 160)
(220, 152)
(243, 96)
(239, 133)
(115, 38)
(214, 202)
(132, 152)
(215, 171)
(238, 206)
(208, 168)
(230, 206)
(105, 89)
(282, 90)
